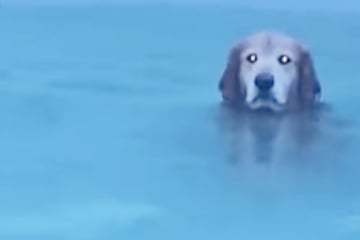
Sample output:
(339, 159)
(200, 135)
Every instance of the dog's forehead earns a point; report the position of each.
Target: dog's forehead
(269, 41)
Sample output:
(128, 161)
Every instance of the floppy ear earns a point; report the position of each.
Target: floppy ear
(229, 83)
(309, 87)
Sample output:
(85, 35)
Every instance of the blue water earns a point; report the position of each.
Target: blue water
(111, 128)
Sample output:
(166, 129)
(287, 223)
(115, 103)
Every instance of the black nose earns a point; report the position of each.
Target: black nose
(264, 81)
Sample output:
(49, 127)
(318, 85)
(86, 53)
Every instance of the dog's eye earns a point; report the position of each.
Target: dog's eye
(252, 57)
(284, 59)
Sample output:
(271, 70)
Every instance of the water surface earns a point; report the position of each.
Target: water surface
(111, 128)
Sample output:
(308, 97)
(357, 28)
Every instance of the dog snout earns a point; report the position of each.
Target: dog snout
(264, 81)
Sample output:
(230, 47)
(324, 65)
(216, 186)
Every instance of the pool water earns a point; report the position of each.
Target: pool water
(111, 128)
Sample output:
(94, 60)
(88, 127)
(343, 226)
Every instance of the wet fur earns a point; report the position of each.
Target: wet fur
(305, 91)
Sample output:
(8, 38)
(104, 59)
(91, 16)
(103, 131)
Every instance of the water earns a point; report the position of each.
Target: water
(111, 128)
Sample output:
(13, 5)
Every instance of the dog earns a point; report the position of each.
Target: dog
(270, 70)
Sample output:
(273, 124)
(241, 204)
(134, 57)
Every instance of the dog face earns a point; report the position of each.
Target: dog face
(270, 70)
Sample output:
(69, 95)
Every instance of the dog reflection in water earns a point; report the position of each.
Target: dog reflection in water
(264, 137)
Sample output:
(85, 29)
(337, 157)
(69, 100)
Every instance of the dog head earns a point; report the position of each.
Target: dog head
(270, 70)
